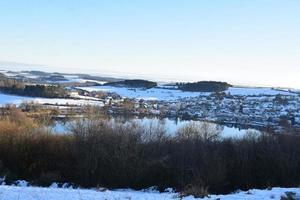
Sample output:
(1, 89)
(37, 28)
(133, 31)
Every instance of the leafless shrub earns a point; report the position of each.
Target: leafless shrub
(114, 155)
(199, 131)
(155, 130)
(198, 191)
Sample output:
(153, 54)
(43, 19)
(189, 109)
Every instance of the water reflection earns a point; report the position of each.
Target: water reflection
(171, 126)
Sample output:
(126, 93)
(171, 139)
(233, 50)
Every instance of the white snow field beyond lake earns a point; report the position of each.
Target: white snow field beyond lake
(13, 99)
(173, 94)
(149, 94)
(37, 193)
(146, 94)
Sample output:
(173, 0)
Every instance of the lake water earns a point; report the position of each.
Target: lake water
(171, 126)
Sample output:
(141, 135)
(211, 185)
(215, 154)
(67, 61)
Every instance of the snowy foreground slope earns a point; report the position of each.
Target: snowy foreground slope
(36, 193)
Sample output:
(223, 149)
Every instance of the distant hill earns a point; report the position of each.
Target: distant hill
(38, 73)
(204, 86)
(135, 83)
(54, 78)
(17, 87)
(97, 78)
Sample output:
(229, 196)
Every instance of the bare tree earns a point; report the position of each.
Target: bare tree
(199, 130)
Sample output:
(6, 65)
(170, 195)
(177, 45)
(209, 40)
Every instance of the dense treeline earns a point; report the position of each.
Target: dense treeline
(204, 86)
(194, 161)
(135, 83)
(12, 86)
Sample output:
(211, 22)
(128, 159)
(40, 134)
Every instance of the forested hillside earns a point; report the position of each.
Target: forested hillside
(204, 86)
(135, 83)
(12, 86)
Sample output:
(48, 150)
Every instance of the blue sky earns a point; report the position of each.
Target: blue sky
(253, 42)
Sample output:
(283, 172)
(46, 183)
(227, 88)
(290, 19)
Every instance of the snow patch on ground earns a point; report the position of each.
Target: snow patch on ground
(274, 193)
(54, 193)
(36, 193)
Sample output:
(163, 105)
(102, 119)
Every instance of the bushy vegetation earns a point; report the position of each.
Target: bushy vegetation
(204, 86)
(12, 86)
(135, 83)
(114, 155)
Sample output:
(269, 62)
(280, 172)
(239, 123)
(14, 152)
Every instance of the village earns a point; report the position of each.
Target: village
(265, 112)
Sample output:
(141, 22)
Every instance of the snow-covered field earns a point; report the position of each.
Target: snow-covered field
(67, 101)
(149, 94)
(256, 91)
(12, 99)
(36, 193)
(171, 94)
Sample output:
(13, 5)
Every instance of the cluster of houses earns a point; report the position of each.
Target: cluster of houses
(256, 111)
(261, 111)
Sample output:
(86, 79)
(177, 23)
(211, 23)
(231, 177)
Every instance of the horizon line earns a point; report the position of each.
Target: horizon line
(128, 75)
